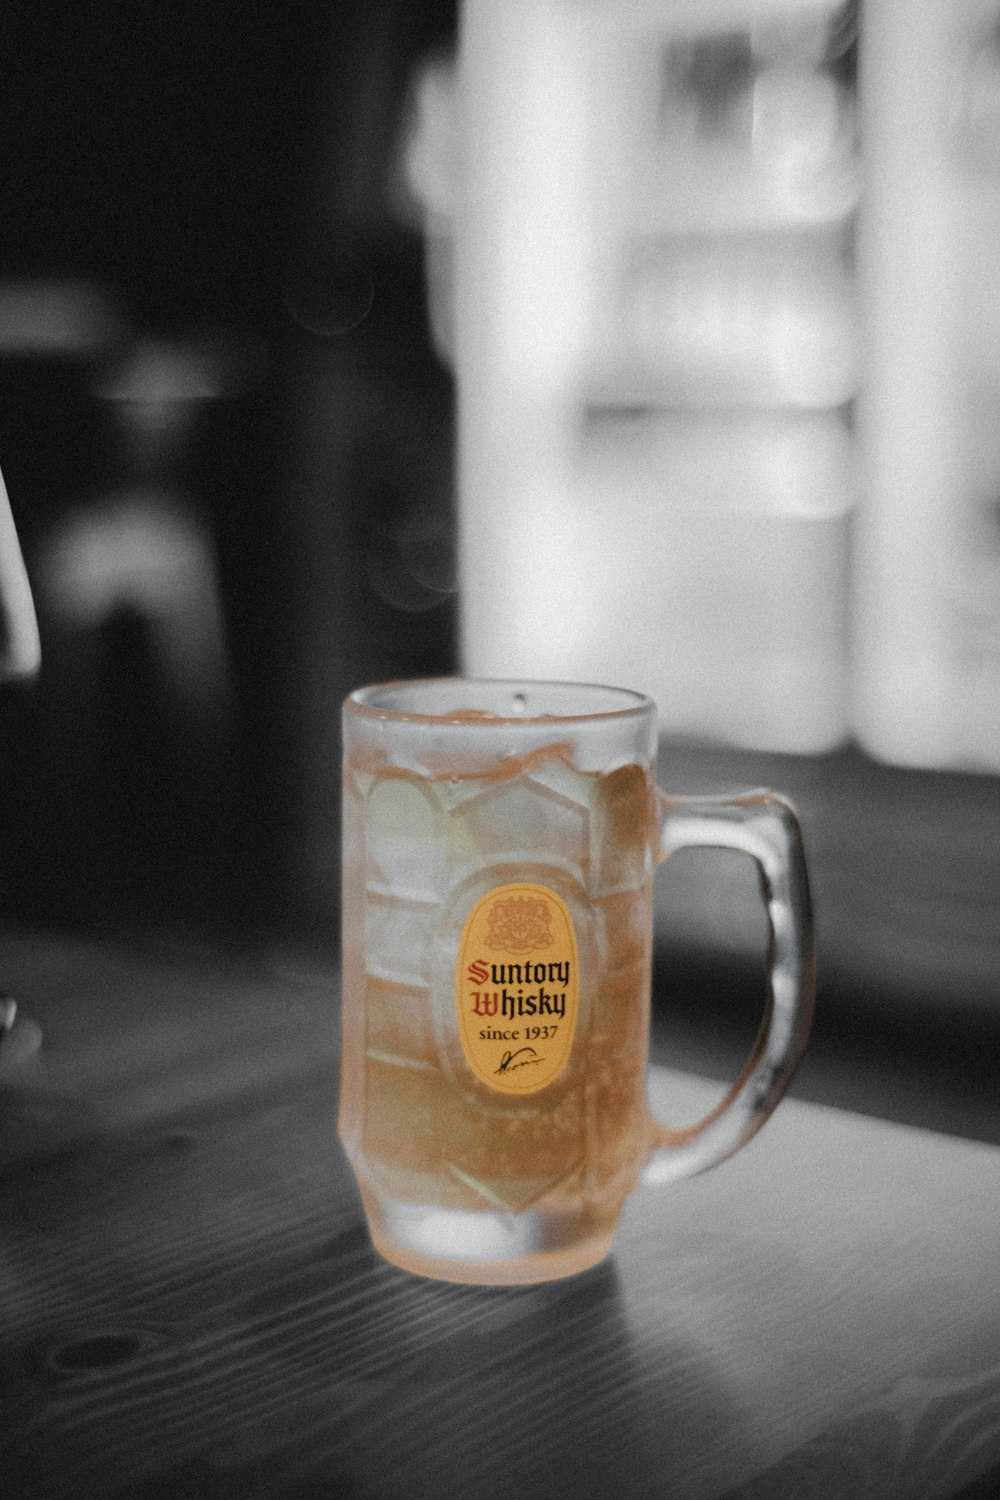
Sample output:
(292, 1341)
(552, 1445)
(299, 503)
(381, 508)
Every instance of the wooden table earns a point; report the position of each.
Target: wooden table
(190, 1306)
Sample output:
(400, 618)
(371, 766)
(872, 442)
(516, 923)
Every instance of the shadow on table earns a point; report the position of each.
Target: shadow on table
(421, 1388)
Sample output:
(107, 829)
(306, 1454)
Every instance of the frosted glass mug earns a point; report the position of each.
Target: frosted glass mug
(500, 845)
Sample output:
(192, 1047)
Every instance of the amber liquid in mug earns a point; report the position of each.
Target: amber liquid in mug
(452, 1169)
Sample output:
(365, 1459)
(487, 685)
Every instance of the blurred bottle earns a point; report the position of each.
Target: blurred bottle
(129, 792)
(20, 651)
(927, 593)
(656, 351)
(52, 329)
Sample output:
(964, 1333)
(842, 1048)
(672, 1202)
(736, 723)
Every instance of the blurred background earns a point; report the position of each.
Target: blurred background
(221, 426)
(653, 343)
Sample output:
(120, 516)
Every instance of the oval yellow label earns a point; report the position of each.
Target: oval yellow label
(517, 987)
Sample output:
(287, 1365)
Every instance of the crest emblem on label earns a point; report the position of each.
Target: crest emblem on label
(517, 987)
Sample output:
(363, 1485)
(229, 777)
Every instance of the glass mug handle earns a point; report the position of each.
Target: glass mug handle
(764, 826)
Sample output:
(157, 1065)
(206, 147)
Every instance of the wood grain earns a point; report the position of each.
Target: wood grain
(190, 1306)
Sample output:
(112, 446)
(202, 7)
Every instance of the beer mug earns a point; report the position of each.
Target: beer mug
(500, 844)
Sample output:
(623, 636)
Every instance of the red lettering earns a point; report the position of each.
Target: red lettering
(478, 971)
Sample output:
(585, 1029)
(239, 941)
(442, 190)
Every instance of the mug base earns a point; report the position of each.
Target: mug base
(483, 1248)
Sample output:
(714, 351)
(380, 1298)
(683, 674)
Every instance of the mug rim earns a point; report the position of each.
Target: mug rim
(363, 700)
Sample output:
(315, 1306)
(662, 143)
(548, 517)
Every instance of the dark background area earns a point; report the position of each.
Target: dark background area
(217, 175)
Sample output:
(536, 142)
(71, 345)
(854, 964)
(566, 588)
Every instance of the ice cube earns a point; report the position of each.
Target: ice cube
(621, 831)
(522, 821)
(405, 838)
(399, 1027)
(398, 935)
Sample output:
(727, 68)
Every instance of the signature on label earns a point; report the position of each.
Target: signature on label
(524, 1057)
